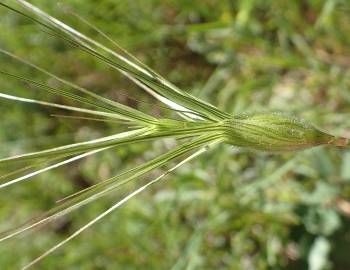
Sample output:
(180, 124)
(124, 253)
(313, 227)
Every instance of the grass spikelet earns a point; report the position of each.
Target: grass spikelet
(198, 125)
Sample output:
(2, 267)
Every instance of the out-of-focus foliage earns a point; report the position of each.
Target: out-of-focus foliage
(230, 209)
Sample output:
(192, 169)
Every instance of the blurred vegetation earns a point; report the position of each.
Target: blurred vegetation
(230, 209)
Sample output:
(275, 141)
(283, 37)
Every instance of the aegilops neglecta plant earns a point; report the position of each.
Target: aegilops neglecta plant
(202, 125)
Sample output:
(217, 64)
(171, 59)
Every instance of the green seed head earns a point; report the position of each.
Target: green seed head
(276, 132)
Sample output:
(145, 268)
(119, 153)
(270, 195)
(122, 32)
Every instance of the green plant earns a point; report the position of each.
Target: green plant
(205, 124)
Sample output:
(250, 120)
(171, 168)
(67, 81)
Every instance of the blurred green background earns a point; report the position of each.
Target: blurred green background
(229, 209)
